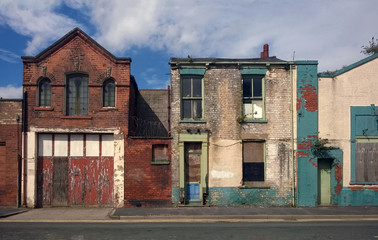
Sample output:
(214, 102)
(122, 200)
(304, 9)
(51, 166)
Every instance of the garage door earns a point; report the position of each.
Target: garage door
(75, 169)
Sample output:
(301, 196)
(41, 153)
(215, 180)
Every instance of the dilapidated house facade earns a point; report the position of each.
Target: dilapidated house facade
(234, 127)
(348, 119)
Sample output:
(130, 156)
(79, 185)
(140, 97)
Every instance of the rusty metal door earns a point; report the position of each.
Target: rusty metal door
(193, 171)
(60, 181)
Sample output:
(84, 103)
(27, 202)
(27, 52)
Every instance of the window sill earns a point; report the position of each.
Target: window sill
(160, 163)
(108, 109)
(252, 185)
(255, 121)
(192, 121)
(76, 117)
(43, 109)
(363, 183)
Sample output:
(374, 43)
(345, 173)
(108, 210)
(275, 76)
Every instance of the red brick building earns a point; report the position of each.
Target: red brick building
(10, 151)
(79, 102)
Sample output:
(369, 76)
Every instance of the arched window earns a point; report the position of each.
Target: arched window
(77, 95)
(108, 93)
(44, 98)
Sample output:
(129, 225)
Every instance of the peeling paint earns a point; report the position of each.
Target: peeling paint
(299, 104)
(311, 97)
(338, 178)
(313, 162)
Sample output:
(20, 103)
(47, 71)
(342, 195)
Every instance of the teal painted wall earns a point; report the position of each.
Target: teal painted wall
(235, 196)
(175, 195)
(307, 133)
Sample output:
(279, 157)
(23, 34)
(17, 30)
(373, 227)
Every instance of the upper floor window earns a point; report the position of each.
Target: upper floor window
(191, 97)
(253, 97)
(77, 95)
(44, 95)
(108, 93)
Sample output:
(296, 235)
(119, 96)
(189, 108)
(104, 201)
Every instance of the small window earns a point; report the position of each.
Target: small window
(108, 93)
(77, 95)
(44, 97)
(253, 161)
(191, 97)
(160, 153)
(367, 162)
(253, 97)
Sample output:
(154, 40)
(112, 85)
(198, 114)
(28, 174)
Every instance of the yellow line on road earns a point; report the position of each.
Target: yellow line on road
(190, 220)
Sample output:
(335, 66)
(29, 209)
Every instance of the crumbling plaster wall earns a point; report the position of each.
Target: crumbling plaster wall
(222, 107)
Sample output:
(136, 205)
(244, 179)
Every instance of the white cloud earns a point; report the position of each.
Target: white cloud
(329, 31)
(9, 56)
(10, 92)
(36, 19)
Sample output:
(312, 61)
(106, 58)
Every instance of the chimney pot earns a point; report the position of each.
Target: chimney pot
(265, 52)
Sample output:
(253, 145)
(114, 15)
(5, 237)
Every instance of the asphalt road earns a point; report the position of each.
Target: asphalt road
(117, 230)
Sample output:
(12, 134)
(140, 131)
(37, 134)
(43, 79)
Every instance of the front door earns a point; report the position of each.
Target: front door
(324, 181)
(60, 181)
(192, 153)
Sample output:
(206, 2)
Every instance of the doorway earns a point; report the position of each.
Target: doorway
(324, 181)
(193, 153)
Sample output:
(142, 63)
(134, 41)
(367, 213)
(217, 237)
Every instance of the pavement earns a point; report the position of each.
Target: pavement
(188, 214)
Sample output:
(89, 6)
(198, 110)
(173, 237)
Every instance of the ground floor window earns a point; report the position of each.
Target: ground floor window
(253, 161)
(367, 162)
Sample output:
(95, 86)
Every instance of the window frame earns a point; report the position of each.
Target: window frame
(106, 101)
(253, 98)
(43, 101)
(254, 183)
(77, 112)
(192, 98)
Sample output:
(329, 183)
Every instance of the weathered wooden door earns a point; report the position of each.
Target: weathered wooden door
(193, 154)
(324, 181)
(60, 181)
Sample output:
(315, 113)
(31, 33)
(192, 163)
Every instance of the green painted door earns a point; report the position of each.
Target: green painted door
(324, 181)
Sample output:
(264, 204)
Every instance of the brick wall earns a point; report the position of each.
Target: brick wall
(78, 54)
(146, 184)
(10, 150)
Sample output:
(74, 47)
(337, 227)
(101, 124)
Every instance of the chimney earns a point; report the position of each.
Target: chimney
(265, 52)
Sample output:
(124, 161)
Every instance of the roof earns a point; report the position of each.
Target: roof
(65, 39)
(348, 68)
(189, 59)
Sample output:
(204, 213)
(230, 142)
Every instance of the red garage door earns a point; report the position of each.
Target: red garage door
(75, 169)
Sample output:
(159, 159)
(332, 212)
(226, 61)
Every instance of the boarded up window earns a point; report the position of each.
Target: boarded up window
(92, 145)
(107, 145)
(367, 162)
(253, 161)
(77, 145)
(61, 145)
(160, 153)
(45, 145)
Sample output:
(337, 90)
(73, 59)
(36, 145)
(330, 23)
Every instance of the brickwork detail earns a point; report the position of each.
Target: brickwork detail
(10, 150)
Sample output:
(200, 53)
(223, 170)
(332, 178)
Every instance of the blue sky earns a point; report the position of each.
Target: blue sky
(150, 32)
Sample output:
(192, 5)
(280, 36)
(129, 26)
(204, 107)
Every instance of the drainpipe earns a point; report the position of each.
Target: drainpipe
(169, 111)
(24, 153)
(292, 135)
